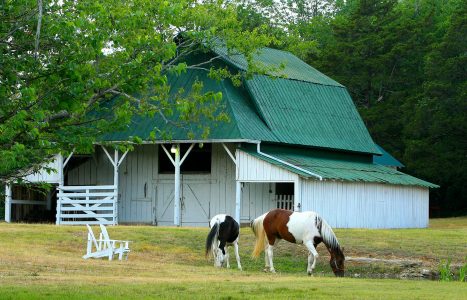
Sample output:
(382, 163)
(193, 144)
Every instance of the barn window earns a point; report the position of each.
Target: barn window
(284, 195)
(198, 160)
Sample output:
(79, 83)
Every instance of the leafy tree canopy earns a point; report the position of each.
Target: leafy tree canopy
(60, 60)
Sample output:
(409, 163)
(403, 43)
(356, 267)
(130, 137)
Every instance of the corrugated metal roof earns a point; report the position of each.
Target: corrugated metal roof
(142, 126)
(386, 159)
(280, 64)
(335, 166)
(310, 109)
(309, 114)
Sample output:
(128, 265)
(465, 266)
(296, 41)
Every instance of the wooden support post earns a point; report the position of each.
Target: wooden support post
(61, 183)
(177, 186)
(297, 195)
(8, 203)
(49, 200)
(238, 187)
(238, 200)
(115, 218)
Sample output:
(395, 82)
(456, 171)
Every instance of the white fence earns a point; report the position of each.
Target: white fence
(78, 205)
(284, 201)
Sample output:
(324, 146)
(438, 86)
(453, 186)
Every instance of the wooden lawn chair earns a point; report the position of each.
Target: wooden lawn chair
(104, 246)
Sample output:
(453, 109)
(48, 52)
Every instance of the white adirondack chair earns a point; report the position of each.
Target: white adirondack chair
(104, 246)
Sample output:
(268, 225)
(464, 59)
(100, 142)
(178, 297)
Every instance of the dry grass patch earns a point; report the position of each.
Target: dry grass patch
(44, 261)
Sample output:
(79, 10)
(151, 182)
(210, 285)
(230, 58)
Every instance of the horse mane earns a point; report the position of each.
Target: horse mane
(260, 234)
(328, 236)
(212, 237)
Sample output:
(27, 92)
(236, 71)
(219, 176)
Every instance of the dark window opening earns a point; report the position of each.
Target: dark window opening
(198, 160)
(285, 196)
(284, 188)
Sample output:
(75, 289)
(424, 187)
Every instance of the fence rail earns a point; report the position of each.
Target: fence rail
(78, 205)
(284, 201)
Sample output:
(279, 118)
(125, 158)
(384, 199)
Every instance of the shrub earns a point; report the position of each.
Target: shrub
(445, 271)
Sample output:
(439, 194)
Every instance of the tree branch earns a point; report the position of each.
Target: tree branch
(38, 30)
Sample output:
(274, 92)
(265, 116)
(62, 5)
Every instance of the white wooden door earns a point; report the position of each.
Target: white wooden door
(164, 206)
(195, 203)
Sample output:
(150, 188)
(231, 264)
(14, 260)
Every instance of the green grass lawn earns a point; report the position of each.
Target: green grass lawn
(44, 262)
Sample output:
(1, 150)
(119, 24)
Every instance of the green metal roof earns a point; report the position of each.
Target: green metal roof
(386, 159)
(280, 64)
(335, 166)
(307, 108)
(309, 114)
(142, 126)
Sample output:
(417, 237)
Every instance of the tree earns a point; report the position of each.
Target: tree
(437, 130)
(73, 70)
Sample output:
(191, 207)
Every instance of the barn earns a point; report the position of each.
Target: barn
(294, 140)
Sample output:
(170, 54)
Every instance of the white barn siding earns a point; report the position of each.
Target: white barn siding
(252, 169)
(257, 198)
(43, 176)
(366, 205)
(203, 195)
(342, 204)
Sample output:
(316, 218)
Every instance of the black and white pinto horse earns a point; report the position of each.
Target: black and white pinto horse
(306, 228)
(224, 233)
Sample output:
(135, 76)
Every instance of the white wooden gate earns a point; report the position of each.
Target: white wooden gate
(78, 205)
(284, 201)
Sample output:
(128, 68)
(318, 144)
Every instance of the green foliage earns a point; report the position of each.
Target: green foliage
(404, 64)
(70, 71)
(463, 271)
(445, 271)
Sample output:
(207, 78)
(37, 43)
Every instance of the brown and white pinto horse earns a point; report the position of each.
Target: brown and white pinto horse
(306, 228)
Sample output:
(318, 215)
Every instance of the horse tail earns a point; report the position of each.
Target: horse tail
(212, 238)
(328, 236)
(260, 234)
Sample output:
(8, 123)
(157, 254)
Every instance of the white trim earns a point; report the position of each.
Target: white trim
(238, 200)
(229, 153)
(32, 202)
(108, 155)
(122, 158)
(258, 150)
(115, 199)
(68, 158)
(86, 187)
(191, 141)
(177, 210)
(7, 203)
(168, 154)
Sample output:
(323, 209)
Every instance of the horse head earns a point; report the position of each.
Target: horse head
(219, 258)
(337, 262)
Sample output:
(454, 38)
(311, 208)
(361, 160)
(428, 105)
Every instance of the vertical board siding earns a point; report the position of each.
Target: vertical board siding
(44, 176)
(342, 204)
(136, 186)
(367, 205)
(253, 169)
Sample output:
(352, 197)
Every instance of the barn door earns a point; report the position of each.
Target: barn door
(195, 203)
(164, 206)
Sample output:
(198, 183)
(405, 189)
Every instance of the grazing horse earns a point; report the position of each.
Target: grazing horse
(307, 228)
(224, 233)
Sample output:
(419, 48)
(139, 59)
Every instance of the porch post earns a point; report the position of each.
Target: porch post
(177, 186)
(238, 200)
(297, 195)
(8, 203)
(115, 218)
(61, 182)
(49, 200)
(238, 188)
